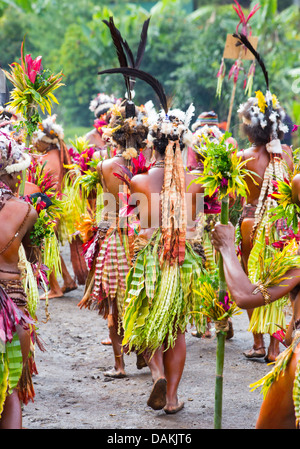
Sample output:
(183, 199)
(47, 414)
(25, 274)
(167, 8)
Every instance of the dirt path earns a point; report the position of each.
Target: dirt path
(72, 392)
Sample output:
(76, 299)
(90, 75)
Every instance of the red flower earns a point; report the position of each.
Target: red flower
(226, 303)
(235, 71)
(211, 204)
(128, 209)
(98, 124)
(243, 20)
(280, 335)
(32, 67)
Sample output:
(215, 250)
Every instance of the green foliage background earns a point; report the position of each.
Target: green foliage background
(185, 46)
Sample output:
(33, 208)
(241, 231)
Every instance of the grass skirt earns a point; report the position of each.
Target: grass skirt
(160, 297)
(106, 282)
(13, 372)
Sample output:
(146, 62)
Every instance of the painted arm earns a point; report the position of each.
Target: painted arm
(238, 283)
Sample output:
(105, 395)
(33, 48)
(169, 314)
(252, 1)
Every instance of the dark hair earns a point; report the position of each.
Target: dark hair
(255, 133)
(160, 140)
(125, 132)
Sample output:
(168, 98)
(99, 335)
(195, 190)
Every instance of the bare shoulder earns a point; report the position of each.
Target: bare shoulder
(23, 210)
(245, 153)
(137, 183)
(112, 163)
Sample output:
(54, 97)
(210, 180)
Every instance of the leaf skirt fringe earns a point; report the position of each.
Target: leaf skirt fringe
(10, 368)
(160, 298)
(14, 374)
(266, 319)
(106, 282)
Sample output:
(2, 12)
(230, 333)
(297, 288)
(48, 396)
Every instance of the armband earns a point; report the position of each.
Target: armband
(264, 291)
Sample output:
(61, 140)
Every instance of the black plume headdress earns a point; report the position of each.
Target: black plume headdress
(244, 41)
(126, 58)
(266, 111)
(149, 79)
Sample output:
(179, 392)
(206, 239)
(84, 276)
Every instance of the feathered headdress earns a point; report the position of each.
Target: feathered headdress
(52, 133)
(173, 126)
(264, 111)
(13, 158)
(49, 131)
(126, 58)
(102, 103)
(264, 108)
(172, 122)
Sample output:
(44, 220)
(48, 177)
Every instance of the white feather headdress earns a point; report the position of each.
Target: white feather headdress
(13, 158)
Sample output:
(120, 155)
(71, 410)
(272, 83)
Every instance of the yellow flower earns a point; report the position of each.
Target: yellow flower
(275, 101)
(261, 101)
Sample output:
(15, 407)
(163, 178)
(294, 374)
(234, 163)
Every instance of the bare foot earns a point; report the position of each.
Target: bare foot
(106, 341)
(140, 361)
(171, 410)
(116, 374)
(255, 353)
(273, 350)
(157, 398)
(69, 288)
(52, 294)
(271, 356)
(206, 334)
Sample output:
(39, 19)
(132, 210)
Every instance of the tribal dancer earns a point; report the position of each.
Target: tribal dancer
(262, 122)
(100, 106)
(111, 247)
(278, 277)
(206, 128)
(168, 263)
(16, 325)
(52, 151)
(206, 123)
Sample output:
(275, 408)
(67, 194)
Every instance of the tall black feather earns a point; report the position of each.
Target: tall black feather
(243, 40)
(117, 40)
(142, 44)
(149, 79)
(126, 53)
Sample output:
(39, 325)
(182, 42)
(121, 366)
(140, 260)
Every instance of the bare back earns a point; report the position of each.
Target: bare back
(53, 164)
(18, 218)
(109, 181)
(258, 165)
(150, 185)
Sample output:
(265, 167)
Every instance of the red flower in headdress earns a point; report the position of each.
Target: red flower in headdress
(98, 124)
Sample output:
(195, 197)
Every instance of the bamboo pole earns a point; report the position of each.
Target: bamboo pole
(28, 141)
(221, 334)
(231, 106)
